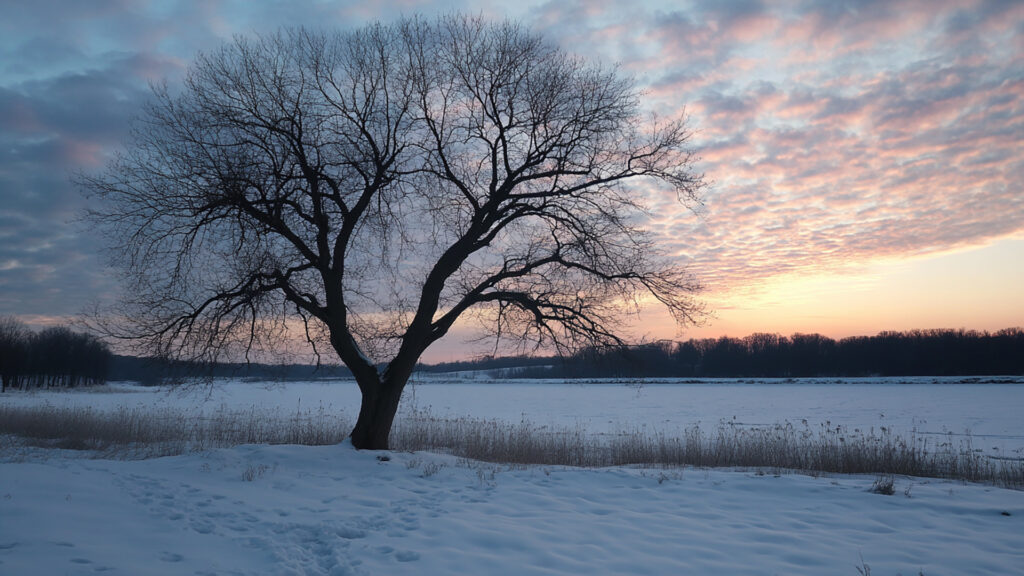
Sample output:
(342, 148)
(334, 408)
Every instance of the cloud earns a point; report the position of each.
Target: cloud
(49, 129)
(904, 145)
(836, 133)
(68, 89)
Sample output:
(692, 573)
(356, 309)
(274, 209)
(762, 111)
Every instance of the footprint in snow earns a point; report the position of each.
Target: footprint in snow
(171, 557)
(202, 527)
(407, 556)
(349, 533)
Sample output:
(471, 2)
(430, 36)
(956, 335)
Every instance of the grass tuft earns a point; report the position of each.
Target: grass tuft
(885, 485)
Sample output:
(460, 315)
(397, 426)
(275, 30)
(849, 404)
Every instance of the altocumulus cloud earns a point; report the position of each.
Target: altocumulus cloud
(879, 129)
(835, 133)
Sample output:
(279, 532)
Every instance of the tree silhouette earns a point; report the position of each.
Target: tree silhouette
(56, 356)
(376, 186)
(912, 353)
(13, 351)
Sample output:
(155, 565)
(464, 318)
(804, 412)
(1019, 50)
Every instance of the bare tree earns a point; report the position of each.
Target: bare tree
(56, 356)
(14, 337)
(378, 185)
(59, 356)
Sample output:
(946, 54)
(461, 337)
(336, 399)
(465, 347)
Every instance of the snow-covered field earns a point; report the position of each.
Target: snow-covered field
(333, 510)
(989, 412)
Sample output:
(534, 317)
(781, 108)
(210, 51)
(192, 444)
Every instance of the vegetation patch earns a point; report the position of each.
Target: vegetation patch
(784, 446)
(885, 485)
(144, 433)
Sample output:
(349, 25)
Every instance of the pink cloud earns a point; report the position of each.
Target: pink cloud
(883, 175)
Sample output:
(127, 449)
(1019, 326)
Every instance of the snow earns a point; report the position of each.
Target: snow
(989, 412)
(334, 510)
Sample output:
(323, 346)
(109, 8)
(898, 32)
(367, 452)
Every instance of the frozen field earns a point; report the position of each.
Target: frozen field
(331, 510)
(990, 412)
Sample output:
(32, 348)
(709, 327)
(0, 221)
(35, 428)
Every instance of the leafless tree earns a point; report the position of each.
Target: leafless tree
(56, 356)
(374, 186)
(59, 356)
(14, 337)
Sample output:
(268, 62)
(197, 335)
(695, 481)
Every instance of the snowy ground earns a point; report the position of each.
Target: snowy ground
(333, 510)
(989, 412)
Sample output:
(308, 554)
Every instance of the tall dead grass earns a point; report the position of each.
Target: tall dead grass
(825, 449)
(146, 433)
(142, 433)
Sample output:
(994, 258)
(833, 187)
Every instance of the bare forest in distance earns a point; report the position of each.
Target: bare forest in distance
(53, 357)
(911, 353)
(61, 357)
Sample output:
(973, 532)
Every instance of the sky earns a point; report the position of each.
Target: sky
(866, 158)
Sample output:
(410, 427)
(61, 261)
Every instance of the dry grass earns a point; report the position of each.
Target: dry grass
(779, 447)
(142, 433)
(146, 433)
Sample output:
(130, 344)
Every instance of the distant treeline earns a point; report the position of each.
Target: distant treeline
(913, 353)
(53, 357)
(61, 357)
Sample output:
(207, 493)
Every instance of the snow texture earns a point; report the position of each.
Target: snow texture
(336, 511)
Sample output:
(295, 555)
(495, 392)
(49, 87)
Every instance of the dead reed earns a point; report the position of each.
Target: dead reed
(145, 433)
(826, 449)
(142, 433)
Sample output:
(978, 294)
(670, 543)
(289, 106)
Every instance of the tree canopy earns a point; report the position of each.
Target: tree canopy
(376, 185)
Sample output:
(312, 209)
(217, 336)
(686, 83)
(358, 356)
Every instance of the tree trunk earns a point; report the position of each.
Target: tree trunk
(377, 413)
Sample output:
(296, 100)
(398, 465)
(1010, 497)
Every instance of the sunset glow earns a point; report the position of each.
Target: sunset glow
(866, 159)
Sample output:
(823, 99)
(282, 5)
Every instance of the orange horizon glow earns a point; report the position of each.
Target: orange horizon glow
(977, 288)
